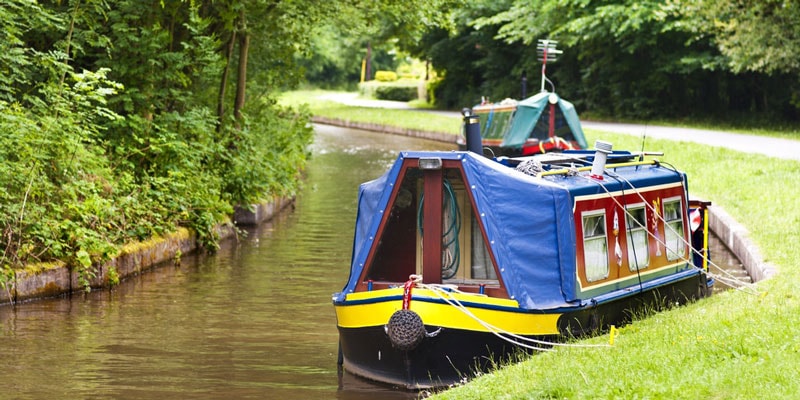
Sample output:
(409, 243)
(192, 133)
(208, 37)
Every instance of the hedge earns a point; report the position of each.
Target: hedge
(398, 91)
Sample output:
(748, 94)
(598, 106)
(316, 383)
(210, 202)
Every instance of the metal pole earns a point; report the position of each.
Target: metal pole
(524, 85)
(472, 131)
(544, 66)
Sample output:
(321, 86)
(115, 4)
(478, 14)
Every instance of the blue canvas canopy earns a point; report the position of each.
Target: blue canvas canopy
(527, 116)
(529, 222)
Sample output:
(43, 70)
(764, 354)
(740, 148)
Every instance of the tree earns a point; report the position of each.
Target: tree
(622, 58)
(755, 35)
(383, 26)
(109, 129)
(756, 38)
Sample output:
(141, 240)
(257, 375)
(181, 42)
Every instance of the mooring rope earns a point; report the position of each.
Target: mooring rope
(730, 279)
(444, 292)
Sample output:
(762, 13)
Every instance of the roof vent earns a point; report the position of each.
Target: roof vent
(602, 150)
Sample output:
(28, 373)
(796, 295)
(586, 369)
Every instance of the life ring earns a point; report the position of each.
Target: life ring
(554, 142)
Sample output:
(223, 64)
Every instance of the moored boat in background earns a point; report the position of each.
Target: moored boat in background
(538, 124)
(541, 123)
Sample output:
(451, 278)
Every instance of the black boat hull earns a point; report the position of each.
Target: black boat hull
(455, 355)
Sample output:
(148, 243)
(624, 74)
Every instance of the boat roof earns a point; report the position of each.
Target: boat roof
(530, 110)
(619, 179)
(528, 220)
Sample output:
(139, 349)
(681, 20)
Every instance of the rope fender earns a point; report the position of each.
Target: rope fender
(405, 327)
(405, 330)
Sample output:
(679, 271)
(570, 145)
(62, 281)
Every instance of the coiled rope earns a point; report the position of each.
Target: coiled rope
(451, 247)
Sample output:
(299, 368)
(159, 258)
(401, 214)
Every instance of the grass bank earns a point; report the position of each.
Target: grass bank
(732, 345)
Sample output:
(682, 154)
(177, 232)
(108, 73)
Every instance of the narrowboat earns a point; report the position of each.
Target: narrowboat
(459, 260)
(538, 124)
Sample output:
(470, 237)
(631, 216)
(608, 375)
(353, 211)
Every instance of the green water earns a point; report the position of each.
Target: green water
(253, 321)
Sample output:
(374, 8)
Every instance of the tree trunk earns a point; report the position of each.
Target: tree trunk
(241, 83)
(224, 82)
(368, 76)
(69, 43)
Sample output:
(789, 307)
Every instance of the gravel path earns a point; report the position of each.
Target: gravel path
(773, 147)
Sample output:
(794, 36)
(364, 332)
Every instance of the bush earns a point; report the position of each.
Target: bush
(398, 91)
(404, 92)
(430, 89)
(385, 76)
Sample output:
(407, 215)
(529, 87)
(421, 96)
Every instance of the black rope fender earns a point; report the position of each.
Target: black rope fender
(405, 330)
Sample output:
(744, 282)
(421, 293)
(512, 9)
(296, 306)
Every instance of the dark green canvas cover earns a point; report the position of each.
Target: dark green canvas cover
(529, 121)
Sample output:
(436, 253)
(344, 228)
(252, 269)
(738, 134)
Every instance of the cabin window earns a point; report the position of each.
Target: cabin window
(595, 246)
(636, 226)
(494, 124)
(673, 229)
(482, 265)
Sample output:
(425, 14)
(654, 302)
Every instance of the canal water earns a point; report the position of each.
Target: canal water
(253, 321)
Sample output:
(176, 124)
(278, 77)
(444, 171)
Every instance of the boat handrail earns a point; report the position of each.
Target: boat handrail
(565, 171)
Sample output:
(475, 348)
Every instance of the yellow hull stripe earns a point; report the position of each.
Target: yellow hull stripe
(377, 313)
(426, 293)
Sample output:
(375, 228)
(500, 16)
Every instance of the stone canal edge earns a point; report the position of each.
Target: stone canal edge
(56, 279)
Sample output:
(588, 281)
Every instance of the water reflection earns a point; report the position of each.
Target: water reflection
(253, 321)
(726, 266)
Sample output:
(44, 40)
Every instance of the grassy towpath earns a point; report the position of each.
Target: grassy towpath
(333, 105)
(740, 344)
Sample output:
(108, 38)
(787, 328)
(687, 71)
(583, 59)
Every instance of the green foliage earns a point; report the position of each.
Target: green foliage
(754, 35)
(54, 203)
(269, 154)
(333, 60)
(113, 276)
(340, 38)
(385, 76)
(754, 38)
(108, 144)
(367, 89)
(625, 58)
(397, 90)
(472, 63)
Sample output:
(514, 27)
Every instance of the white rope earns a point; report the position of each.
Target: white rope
(513, 338)
(730, 279)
